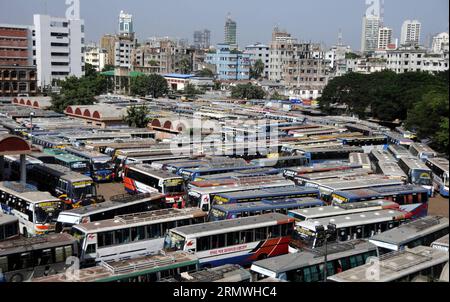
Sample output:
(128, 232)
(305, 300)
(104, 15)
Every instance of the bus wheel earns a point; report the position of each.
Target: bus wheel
(16, 278)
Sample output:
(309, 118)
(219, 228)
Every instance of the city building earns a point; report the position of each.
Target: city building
(108, 43)
(259, 51)
(384, 38)
(59, 44)
(95, 56)
(126, 28)
(370, 31)
(281, 40)
(230, 31)
(202, 39)
(230, 64)
(440, 43)
(123, 51)
(410, 34)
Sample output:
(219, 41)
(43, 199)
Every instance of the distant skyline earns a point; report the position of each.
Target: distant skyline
(317, 21)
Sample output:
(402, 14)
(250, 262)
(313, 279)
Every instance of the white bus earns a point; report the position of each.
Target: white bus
(422, 151)
(236, 241)
(392, 170)
(131, 235)
(421, 263)
(439, 167)
(37, 211)
(399, 152)
(418, 173)
(441, 243)
(9, 227)
(336, 175)
(360, 159)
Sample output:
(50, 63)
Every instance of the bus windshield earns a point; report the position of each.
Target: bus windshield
(173, 186)
(101, 166)
(87, 191)
(194, 199)
(216, 215)
(421, 177)
(174, 242)
(79, 167)
(46, 212)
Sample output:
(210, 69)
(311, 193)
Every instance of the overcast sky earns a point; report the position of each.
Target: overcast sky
(315, 20)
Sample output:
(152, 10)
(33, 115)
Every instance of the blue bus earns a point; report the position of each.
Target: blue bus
(242, 174)
(233, 211)
(281, 162)
(265, 194)
(411, 198)
(101, 165)
(193, 174)
(319, 155)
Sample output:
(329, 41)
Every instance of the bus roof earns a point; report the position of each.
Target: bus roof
(24, 244)
(382, 156)
(335, 174)
(414, 163)
(269, 204)
(27, 192)
(381, 191)
(6, 219)
(64, 156)
(395, 238)
(324, 167)
(269, 192)
(64, 173)
(242, 173)
(117, 270)
(440, 162)
(275, 266)
(342, 209)
(358, 182)
(225, 273)
(391, 169)
(345, 149)
(443, 241)
(352, 219)
(140, 219)
(394, 266)
(423, 148)
(218, 227)
(157, 173)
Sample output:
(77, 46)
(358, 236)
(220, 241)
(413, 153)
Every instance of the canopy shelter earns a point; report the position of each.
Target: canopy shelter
(14, 145)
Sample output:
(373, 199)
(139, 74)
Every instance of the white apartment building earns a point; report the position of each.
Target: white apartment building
(278, 53)
(440, 43)
(123, 51)
(336, 54)
(96, 56)
(261, 52)
(410, 34)
(370, 29)
(58, 46)
(384, 38)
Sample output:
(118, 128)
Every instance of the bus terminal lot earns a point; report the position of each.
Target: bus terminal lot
(438, 206)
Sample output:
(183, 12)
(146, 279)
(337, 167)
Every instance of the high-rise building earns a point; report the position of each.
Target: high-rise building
(370, 30)
(95, 56)
(126, 25)
(230, 31)
(440, 43)
(229, 64)
(384, 38)
(410, 32)
(59, 44)
(202, 39)
(108, 43)
(257, 52)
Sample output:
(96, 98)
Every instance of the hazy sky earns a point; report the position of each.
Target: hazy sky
(316, 20)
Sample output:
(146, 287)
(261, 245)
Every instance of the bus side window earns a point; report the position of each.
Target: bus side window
(91, 249)
(261, 234)
(232, 238)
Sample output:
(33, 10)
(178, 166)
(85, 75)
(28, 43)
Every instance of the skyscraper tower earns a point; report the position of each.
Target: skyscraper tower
(410, 32)
(370, 29)
(126, 25)
(230, 31)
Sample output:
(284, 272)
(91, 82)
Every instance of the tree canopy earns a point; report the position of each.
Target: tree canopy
(154, 84)
(137, 116)
(257, 69)
(247, 91)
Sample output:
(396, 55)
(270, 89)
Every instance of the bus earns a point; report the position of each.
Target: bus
(226, 273)
(308, 266)
(421, 263)
(398, 139)
(130, 235)
(118, 205)
(336, 175)
(201, 194)
(236, 241)
(381, 156)
(233, 211)
(376, 140)
(37, 211)
(193, 174)
(175, 164)
(422, 151)
(281, 162)
(440, 167)
(405, 133)
(150, 268)
(51, 142)
(290, 173)
(441, 243)
(26, 258)
(418, 173)
(265, 193)
(241, 174)
(317, 155)
(74, 188)
(9, 227)
(43, 157)
(11, 170)
(399, 152)
(392, 170)
(423, 231)
(100, 165)
(142, 178)
(342, 209)
(360, 159)
(347, 227)
(73, 162)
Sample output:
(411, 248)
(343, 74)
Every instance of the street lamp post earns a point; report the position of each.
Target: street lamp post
(325, 234)
(32, 114)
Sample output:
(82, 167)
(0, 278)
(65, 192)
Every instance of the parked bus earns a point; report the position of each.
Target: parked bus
(309, 265)
(316, 155)
(202, 193)
(342, 209)
(236, 241)
(73, 162)
(423, 231)
(360, 159)
(174, 164)
(418, 264)
(405, 133)
(378, 157)
(151, 268)
(276, 193)
(439, 167)
(418, 173)
(233, 211)
(26, 258)
(411, 198)
(43, 157)
(398, 139)
(9, 227)
(193, 174)
(229, 273)
(130, 235)
(441, 243)
(100, 165)
(376, 140)
(37, 211)
(399, 152)
(144, 179)
(348, 227)
(241, 174)
(336, 175)
(281, 162)
(74, 188)
(118, 205)
(51, 142)
(11, 170)
(422, 151)
(290, 173)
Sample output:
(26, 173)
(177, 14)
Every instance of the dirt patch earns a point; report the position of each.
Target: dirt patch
(438, 206)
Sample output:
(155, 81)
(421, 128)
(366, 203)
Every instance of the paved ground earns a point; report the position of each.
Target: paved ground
(438, 205)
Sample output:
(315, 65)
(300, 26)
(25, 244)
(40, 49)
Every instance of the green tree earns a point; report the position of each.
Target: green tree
(190, 90)
(277, 96)
(108, 68)
(140, 85)
(184, 66)
(257, 69)
(207, 73)
(137, 116)
(89, 70)
(153, 84)
(247, 91)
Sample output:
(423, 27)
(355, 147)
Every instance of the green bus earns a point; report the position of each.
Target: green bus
(73, 162)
